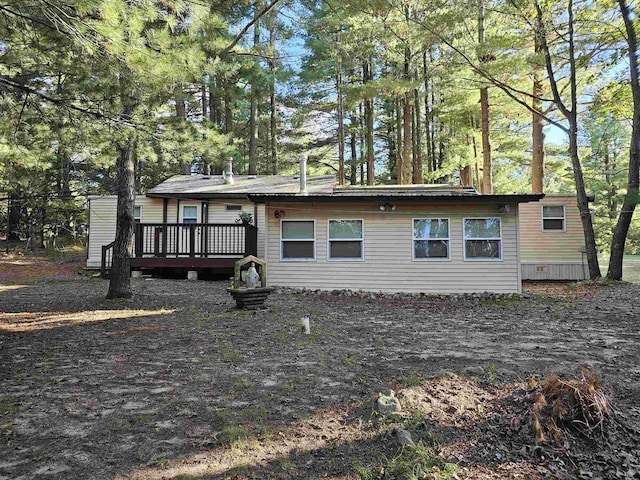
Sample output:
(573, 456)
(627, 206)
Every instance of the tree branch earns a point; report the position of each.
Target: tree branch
(246, 28)
(507, 89)
(542, 32)
(63, 103)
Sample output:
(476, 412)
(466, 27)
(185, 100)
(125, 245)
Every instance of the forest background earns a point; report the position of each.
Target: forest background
(510, 96)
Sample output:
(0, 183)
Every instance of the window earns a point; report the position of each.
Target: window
(189, 214)
(345, 240)
(430, 238)
(298, 240)
(482, 239)
(233, 208)
(137, 214)
(553, 218)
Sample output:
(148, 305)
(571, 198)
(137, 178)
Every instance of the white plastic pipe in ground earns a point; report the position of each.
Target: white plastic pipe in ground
(306, 325)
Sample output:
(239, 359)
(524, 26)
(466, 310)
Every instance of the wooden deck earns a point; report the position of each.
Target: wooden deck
(187, 246)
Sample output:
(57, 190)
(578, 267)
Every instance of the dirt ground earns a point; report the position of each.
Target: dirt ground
(177, 384)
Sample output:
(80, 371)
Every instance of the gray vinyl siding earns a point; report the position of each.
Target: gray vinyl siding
(261, 223)
(388, 264)
(555, 270)
(551, 255)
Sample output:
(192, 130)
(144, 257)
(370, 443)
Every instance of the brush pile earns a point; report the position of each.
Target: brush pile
(561, 405)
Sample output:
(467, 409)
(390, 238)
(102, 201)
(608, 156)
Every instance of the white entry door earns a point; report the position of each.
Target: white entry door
(189, 236)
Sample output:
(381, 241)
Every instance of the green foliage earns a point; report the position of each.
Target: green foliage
(412, 463)
(245, 218)
(606, 152)
(171, 79)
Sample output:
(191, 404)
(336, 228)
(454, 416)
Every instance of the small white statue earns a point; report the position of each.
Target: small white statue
(253, 279)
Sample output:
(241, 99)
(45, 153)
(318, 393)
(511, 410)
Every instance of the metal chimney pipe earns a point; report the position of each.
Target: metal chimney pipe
(303, 175)
(229, 174)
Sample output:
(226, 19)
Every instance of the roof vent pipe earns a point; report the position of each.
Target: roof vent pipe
(303, 174)
(228, 175)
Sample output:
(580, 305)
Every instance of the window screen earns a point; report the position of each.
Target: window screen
(430, 238)
(482, 238)
(553, 218)
(345, 239)
(189, 214)
(297, 240)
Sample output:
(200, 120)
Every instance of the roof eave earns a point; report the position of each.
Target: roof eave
(199, 196)
(328, 198)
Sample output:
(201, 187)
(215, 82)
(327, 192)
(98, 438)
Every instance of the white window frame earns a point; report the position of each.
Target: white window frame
(137, 219)
(182, 213)
(464, 241)
(329, 240)
(563, 218)
(448, 240)
(282, 241)
(234, 209)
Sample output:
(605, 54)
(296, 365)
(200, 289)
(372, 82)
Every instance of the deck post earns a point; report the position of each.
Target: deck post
(192, 240)
(204, 249)
(164, 229)
(250, 240)
(103, 262)
(139, 239)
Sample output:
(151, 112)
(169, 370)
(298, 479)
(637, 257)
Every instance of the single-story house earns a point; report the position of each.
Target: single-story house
(315, 234)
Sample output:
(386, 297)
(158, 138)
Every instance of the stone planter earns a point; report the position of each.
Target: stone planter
(249, 298)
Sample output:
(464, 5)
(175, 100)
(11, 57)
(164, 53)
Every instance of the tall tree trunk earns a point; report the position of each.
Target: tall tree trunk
(404, 174)
(203, 101)
(181, 115)
(398, 119)
(441, 145)
(253, 109)
(610, 166)
(273, 108)
(631, 198)
(407, 117)
(487, 166)
(392, 148)
(120, 283)
(181, 107)
(466, 177)
(353, 143)
(570, 113)
(273, 126)
(434, 128)
(228, 105)
(217, 87)
(363, 151)
(14, 217)
(537, 134)
(340, 116)
(418, 175)
(427, 111)
(368, 113)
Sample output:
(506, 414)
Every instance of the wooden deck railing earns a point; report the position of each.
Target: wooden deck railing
(107, 257)
(195, 240)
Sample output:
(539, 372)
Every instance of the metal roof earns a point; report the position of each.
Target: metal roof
(280, 188)
(215, 186)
